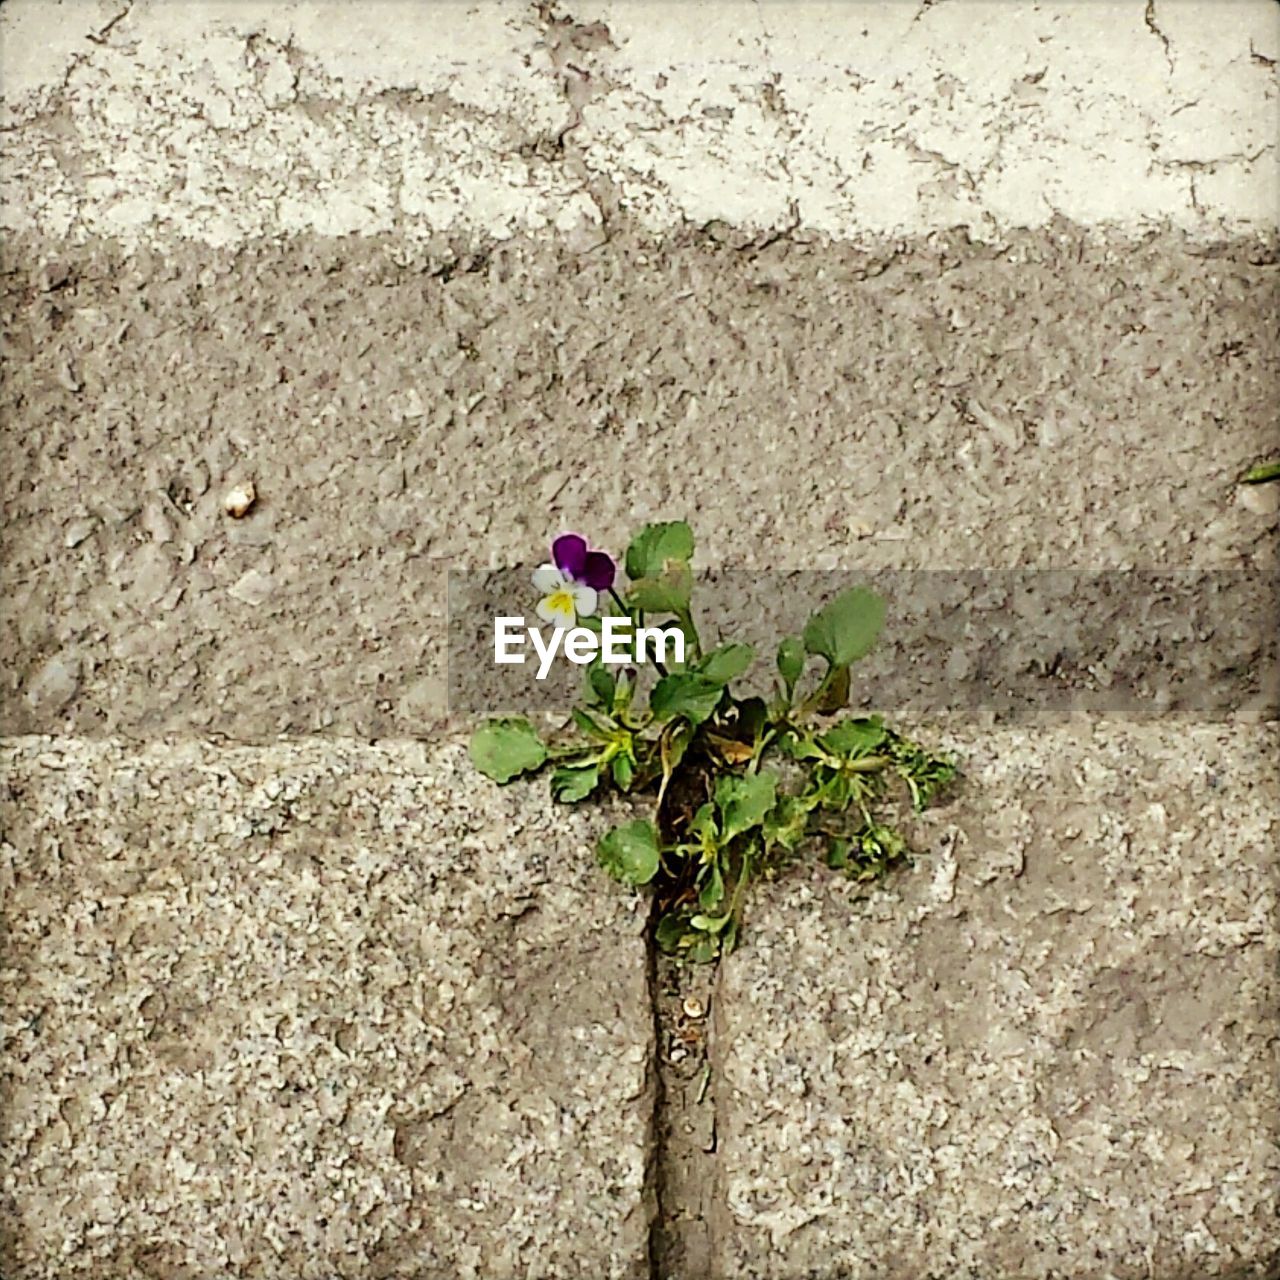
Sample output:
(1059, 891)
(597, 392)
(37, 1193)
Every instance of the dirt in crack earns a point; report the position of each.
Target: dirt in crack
(685, 1125)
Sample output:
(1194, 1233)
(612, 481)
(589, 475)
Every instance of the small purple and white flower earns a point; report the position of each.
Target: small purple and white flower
(571, 584)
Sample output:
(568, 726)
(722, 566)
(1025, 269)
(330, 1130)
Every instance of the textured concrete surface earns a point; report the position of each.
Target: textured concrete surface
(946, 284)
(1048, 1051)
(809, 406)
(226, 121)
(312, 1011)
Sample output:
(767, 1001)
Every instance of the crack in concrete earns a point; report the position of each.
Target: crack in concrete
(100, 36)
(399, 191)
(1149, 18)
(685, 1168)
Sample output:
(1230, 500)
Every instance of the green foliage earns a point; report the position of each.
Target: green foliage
(743, 800)
(665, 592)
(844, 630)
(727, 663)
(853, 738)
(503, 749)
(1263, 473)
(658, 545)
(571, 783)
(791, 661)
(720, 819)
(630, 852)
(685, 694)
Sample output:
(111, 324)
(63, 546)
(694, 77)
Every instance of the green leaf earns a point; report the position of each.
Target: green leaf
(630, 852)
(591, 725)
(852, 738)
(845, 629)
(624, 771)
(836, 793)
(705, 948)
(623, 691)
(834, 690)
(666, 592)
(601, 683)
(571, 783)
(684, 694)
(671, 932)
(710, 924)
(791, 660)
(655, 545)
(726, 663)
(711, 894)
(800, 746)
(743, 801)
(1263, 472)
(838, 855)
(504, 748)
(703, 823)
(785, 824)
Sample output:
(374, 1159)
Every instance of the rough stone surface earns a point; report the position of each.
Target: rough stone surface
(312, 1011)
(221, 122)
(805, 404)
(1048, 1052)
(951, 284)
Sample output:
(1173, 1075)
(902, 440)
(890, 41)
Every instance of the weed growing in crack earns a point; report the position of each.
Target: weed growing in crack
(721, 817)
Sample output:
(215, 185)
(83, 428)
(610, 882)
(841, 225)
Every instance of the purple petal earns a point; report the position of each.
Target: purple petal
(569, 551)
(598, 571)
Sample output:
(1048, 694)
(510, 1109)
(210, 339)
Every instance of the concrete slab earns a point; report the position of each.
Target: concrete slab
(406, 411)
(161, 120)
(851, 286)
(313, 1011)
(1048, 1052)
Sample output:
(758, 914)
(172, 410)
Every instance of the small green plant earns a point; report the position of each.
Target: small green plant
(1262, 473)
(720, 817)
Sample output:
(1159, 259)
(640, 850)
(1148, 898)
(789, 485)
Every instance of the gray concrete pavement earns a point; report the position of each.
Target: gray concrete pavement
(1048, 1051)
(315, 1009)
(806, 406)
(948, 285)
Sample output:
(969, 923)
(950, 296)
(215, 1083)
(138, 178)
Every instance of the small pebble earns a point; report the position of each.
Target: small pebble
(1260, 499)
(77, 532)
(69, 378)
(252, 588)
(239, 499)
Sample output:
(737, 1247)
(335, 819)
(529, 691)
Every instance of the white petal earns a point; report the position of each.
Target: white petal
(584, 599)
(548, 578)
(556, 617)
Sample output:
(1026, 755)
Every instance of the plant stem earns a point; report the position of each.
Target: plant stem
(865, 764)
(818, 694)
(637, 620)
(686, 621)
(764, 741)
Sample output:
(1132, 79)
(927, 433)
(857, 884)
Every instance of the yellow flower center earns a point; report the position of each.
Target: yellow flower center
(560, 601)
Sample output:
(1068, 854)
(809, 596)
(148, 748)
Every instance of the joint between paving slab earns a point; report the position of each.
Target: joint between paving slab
(686, 1171)
(654, 1170)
